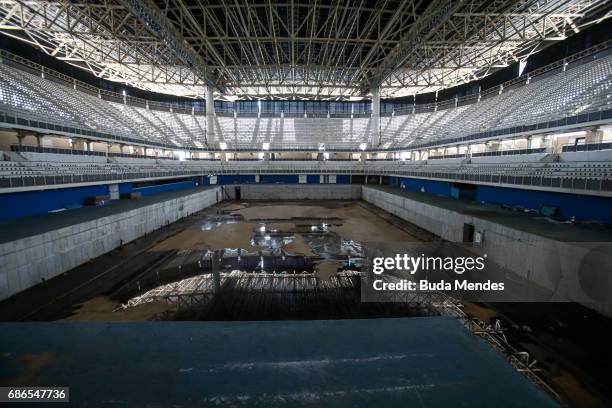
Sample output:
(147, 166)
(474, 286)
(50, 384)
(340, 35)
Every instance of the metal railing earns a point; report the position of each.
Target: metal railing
(595, 177)
(589, 147)
(510, 152)
(54, 150)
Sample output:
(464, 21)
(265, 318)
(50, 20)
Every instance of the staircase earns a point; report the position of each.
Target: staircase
(550, 158)
(14, 157)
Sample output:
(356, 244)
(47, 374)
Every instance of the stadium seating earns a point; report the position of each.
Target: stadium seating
(589, 175)
(583, 87)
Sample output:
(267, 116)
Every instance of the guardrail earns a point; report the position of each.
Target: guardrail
(541, 176)
(447, 156)
(54, 150)
(587, 147)
(510, 152)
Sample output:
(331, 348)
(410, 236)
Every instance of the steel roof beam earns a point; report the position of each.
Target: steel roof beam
(151, 16)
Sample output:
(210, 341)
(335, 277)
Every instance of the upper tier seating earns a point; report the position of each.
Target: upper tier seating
(582, 87)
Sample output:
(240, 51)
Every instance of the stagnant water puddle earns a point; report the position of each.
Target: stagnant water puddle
(299, 261)
(304, 258)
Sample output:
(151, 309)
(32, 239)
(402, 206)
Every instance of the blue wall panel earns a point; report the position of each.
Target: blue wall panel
(15, 205)
(343, 179)
(164, 187)
(234, 179)
(429, 186)
(313, 179)
(277, 178)
(125, 188)
(581, 206)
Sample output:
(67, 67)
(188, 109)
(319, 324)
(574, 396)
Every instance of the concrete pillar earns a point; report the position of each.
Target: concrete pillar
(210, 117)
(375, 139)
(39, 139)
(79, 144)
(493, 145)
(593, 136)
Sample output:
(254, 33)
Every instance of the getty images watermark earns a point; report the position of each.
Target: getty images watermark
(504, 271)
(405, 263)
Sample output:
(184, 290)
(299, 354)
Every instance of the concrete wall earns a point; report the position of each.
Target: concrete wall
(581, 272)
(25, 262)
(294, 191)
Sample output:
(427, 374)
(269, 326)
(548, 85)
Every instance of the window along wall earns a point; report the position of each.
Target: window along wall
(294, 107)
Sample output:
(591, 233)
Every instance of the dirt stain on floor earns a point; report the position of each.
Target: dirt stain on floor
(233, 206)
(299, 247)
(258, 211)
(483, 313)
(233, 235)
(325, 270)
(103, 309)
(358, 223)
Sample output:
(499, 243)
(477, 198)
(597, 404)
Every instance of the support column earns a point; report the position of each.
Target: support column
(375, 138)
(79, 144)
(594, 135)
(494, 145)
(20, 137)
(210, 117)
